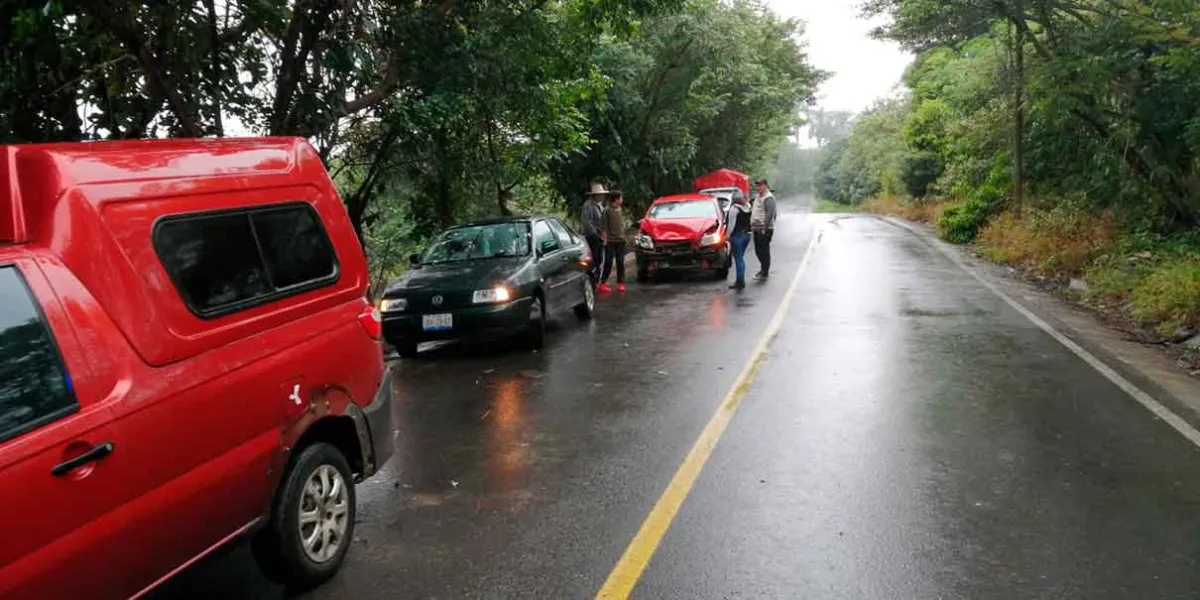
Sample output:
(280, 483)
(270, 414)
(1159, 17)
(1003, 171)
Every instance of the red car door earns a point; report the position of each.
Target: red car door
(60, 457)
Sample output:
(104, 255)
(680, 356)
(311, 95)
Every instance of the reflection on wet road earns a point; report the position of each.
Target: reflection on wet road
(909, 436)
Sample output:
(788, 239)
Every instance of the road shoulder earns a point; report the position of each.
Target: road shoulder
(1147, 368)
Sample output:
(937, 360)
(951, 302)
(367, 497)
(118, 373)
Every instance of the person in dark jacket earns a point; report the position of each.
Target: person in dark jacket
(592, 221)
(614, 242)
(737, 222)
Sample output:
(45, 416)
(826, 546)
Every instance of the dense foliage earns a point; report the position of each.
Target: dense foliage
(1054, 100)
(716, 85)
(427, 112)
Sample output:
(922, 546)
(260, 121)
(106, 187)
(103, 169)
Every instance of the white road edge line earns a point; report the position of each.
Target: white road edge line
(1146, 400)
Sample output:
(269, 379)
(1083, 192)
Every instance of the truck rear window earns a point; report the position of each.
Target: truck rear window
(33, 383)
(230, 261)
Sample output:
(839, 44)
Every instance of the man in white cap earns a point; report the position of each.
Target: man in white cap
(592, 220)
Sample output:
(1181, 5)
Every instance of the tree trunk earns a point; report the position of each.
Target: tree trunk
(356, 203)
(1019, 114)
(214, 68)
(503, 196)
(444, 199)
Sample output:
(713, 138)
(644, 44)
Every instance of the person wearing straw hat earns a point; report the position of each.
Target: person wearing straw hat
(592, 220)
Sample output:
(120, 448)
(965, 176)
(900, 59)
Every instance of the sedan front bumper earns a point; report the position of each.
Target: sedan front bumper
(703, 259)
(489, 321)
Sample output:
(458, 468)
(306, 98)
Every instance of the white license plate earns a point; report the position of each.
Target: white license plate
(440, 322)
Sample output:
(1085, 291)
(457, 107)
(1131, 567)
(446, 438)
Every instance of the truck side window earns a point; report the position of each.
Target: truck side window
(214, 260)
(236, 260)
(34, 389)
(294, 245)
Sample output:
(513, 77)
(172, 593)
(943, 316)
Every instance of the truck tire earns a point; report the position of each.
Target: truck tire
(312, 520)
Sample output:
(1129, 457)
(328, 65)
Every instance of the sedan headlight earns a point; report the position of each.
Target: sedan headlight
(711, 239)
(393, 305)
(644, 241)
(492, 296)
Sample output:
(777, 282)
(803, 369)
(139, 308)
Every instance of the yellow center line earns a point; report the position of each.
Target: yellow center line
(629, 568)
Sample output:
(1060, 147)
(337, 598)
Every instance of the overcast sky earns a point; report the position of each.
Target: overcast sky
(839, 41)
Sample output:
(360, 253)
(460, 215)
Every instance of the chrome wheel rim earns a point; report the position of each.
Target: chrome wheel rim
(589, 295)
(324, 512)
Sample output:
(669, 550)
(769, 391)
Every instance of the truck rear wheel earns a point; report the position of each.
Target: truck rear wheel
(312, 521)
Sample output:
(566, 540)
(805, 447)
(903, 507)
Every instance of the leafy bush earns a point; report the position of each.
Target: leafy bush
(960, 223)
(1169, 296)
(918, 171)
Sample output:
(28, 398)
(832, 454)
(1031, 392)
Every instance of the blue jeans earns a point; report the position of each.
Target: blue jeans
(739, 242)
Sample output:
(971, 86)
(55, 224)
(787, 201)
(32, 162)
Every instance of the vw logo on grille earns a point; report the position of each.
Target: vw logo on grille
(437, 300)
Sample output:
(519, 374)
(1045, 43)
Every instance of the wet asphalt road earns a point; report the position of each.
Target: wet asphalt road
(909, 435)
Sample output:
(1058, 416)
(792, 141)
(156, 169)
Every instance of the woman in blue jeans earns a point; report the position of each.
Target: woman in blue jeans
(737, 222)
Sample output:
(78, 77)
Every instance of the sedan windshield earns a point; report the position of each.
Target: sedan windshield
(498, 240)
(689, 209)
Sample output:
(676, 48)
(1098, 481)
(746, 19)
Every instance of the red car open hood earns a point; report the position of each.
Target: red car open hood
(677, 230)
(723, 178)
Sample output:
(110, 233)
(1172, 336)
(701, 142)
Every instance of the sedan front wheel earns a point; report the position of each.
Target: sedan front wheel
(535, 332)
(583, 310)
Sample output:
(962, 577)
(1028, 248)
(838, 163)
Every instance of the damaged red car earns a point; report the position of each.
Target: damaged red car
(682, 233)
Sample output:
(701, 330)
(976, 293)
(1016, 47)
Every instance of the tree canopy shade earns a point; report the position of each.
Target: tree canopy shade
(426, 112)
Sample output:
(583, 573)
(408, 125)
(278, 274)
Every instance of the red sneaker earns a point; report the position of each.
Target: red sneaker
(603, 288)
(620, 287)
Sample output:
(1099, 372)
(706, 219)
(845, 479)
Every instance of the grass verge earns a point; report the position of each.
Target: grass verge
(928, 211)
(1151, 282)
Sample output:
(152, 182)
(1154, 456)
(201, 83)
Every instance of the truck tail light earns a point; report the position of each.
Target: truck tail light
(371, 321)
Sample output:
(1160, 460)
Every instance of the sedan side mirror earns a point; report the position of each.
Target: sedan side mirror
(414, 260)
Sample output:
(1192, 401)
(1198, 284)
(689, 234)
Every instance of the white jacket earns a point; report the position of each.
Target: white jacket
(762, 215)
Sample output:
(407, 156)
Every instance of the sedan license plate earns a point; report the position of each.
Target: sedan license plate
(441, 322)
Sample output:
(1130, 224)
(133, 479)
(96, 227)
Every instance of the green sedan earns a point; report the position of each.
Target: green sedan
(488, 280)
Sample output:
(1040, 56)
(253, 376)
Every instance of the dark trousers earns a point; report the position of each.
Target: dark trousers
(762, 249)
(614, 252)
(596, 245)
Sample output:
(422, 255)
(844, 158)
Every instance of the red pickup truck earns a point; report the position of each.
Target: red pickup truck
(187, 357)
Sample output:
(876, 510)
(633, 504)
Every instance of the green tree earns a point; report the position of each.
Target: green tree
(714, 86)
